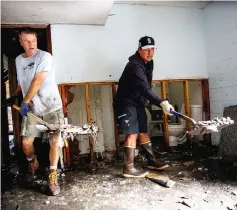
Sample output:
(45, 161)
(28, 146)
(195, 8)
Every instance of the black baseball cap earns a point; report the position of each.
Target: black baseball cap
(146, 42)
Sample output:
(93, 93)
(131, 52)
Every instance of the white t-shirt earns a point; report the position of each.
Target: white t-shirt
(47, 99)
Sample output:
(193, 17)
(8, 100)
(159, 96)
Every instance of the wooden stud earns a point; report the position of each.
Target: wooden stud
(66, 150)
(116, 133)
(24, 25)
(48, 37)
(15, 114)
(88, 111)
(206, 106)
(64, 100)
(206, 99)
(186, 103)
(5, 149)
(165, 119)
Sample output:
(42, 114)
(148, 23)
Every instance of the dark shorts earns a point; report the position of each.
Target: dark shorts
(131, 120)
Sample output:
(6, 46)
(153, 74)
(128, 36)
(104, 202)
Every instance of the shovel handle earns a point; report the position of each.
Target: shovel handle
(184, 117)
(32, 116)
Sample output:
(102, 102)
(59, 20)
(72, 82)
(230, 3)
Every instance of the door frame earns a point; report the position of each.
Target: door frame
(15, 115)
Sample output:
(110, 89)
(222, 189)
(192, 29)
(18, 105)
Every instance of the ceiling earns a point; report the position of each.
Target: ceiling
(73, 12)
(53, 12)
(186, 4)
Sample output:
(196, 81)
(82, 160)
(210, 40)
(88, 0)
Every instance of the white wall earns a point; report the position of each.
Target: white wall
(99, 53)
(221, 42)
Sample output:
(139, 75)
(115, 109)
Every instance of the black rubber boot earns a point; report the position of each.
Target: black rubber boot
(152, 163)
(129, 169)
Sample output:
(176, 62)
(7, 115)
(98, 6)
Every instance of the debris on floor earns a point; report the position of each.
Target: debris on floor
(201, 185)
(188, 163)
(161, 179)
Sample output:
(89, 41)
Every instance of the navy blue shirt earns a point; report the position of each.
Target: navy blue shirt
(134, 86)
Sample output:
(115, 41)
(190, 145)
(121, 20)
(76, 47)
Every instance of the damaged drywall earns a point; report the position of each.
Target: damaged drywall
(100, 100)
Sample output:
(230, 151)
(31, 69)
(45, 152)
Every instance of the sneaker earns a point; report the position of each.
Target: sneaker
(53, 183)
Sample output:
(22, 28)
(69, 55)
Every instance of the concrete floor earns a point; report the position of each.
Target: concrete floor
(200, 186)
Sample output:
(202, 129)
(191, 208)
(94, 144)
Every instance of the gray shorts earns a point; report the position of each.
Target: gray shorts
(28, 125)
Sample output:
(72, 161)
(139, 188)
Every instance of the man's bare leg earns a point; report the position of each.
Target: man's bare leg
(144, 138)
(131, 140)
(54, 154)
(28, 147)
(152, 163)
(29, 150)
(129, 153)
(53, 159)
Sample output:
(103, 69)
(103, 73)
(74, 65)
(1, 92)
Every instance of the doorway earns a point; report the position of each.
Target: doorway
(11, 48)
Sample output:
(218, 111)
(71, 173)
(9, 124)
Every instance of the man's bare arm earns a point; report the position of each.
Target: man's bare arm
(35, 85)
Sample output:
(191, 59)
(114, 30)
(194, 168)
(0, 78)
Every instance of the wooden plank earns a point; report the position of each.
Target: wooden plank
(179, 80)
(66, 149)
(5, 151)
(116, 133)
(60, 89)
(206, 99)
(165, 118)
(206, 105)
(48, 38)
(88, 111)
(24, 25)
(116, 82)
(187, 103)
(64, 100)
(90, 83)
(16, 120)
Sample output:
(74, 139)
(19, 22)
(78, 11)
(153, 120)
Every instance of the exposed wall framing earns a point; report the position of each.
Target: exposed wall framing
(88, 111)
(165, 119)
(206, 104)
(163, 94)
(116, 133)
(186, 103)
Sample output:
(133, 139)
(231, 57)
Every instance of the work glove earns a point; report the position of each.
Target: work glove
(24, 109)
(10, 101)
(167, 107)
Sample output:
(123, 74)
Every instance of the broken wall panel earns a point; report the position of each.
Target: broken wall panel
(108, 117)
(77, 115)
(100, 101)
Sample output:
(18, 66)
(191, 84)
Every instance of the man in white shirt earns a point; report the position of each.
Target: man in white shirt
(36, 81)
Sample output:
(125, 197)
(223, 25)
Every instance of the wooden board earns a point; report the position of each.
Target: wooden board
(88, 111)
(165, 119)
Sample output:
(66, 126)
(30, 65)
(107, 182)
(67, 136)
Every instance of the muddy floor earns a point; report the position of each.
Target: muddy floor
(202, 181)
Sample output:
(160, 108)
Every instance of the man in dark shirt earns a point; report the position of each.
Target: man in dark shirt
(134, 89)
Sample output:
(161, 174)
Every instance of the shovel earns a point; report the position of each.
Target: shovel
(29, 114)
(205, 127)
(202, 127)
